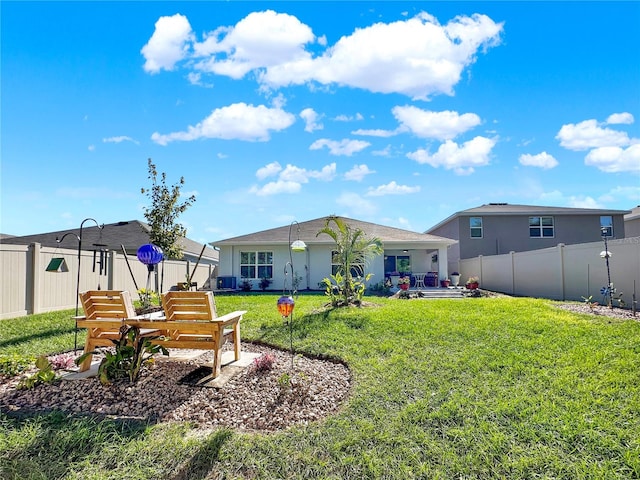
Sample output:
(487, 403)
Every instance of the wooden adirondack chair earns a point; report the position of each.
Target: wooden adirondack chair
(105, 311)
(192, 322)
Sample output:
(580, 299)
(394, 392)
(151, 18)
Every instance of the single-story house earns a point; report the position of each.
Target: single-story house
(131, 234)
(265, 255)
(500, 228)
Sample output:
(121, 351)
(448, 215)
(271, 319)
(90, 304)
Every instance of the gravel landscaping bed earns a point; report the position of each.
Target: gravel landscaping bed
(251, 400)
(600, 310)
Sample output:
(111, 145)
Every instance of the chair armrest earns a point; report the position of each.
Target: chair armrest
(230, 317)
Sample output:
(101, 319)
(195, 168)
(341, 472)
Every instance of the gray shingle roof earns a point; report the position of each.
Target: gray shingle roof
(507, 208)
(132, 234)
(513, 209)
(309, 229)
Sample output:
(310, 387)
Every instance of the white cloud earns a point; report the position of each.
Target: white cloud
(168, 45)
(583, 202)
(343, 147)
(542, 160)
(327, 173)
(358, 172)
(628, 194)
(385, 152)
(392, 188)
(615, 195)
(291, 178)
(620, 118)
(120, 139)
(91, 148)
(347, 118)
(269, 170)
(302, 175)
(238, 121)
(310, 117)
(417, 57)
(375, 132)
(588, 134)
(460, 158)
(615, 159)
(444, 125)
(291, 173)
(355, 205)
(195, 78)
(260, 40)
(273, 188)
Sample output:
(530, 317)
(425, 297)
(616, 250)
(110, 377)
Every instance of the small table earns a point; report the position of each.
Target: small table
(419, 280)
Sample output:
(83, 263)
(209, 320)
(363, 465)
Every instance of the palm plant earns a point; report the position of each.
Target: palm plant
(353, 252)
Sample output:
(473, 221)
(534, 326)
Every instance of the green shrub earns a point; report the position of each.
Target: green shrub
(13, 364)
(45, 374)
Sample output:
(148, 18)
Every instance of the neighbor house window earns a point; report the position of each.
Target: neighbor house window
(256, 264)
(475, 224)
(540, 227)
(606, 225)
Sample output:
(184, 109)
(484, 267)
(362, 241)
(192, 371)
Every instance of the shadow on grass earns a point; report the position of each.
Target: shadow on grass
(46, 445)
(35, 336)
(204, 460)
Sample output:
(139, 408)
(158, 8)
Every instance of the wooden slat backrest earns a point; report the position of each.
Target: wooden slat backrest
(191, 306)
(107, 304)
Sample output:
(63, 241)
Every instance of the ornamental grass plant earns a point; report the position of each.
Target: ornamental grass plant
(477, 388)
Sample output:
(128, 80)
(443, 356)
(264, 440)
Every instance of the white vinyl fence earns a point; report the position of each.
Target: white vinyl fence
(26, 288)
(564, 272)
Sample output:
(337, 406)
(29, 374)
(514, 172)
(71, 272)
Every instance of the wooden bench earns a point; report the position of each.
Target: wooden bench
(190, 321)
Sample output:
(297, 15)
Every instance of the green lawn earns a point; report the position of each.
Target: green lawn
(474, 388)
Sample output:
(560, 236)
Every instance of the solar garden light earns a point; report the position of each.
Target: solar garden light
(286, 303)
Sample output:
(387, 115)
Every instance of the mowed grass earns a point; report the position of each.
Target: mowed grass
(474, 388)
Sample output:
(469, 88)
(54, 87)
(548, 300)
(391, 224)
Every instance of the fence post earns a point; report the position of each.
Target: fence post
(512, 258)
(561, 265)
(33, 280)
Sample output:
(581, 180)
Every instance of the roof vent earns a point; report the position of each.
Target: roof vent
(122, 223)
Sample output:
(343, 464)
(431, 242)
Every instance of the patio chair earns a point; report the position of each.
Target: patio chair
(192, 322)
(105, 312)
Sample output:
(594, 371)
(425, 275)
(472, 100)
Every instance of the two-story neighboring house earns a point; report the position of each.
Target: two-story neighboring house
(499, 228)
(632, 223)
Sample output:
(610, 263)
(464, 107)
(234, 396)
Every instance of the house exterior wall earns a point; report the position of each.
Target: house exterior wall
(311, 266)
(450, 230)
(632, 227)
(502, 234)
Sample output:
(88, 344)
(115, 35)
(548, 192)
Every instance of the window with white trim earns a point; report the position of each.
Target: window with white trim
(606, 225)
(475, 226)
(541, 227)
(357, 269)
(256, 264)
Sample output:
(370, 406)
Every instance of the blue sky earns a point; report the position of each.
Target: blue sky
(399, 113)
